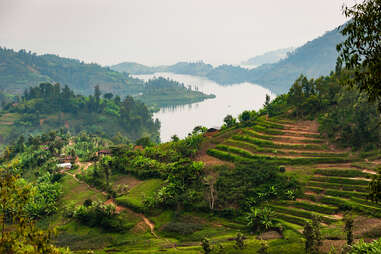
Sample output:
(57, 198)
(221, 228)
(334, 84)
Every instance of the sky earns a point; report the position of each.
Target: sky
(155, 32)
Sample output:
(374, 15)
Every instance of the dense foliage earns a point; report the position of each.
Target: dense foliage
(164, 92)
(22, 69)
(345, 116)
(19, 233)
(250, 184)
(49, 107)
(361, 50)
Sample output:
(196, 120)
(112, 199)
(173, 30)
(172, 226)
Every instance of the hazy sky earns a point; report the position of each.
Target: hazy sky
(157, 32)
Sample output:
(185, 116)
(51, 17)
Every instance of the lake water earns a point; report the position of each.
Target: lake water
(230, 100)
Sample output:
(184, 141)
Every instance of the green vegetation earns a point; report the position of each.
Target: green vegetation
(162, 92)
(137, 195)
(22, 70)
(48, 107)
(305, 166)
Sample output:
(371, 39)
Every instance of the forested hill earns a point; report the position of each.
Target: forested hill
(22, 69)
(49, 107)
(313, 59)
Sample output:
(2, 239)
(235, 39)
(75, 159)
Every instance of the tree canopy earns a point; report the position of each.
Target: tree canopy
(361, 50)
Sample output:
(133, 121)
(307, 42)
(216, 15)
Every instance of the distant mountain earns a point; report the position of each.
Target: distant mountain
(197, 68)
(313, 59)
(21, 70)
(136, 68)
(268, 57)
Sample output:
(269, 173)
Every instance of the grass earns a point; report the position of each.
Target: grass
(314, 207)
(292, 161)
(267, 137)
(135, 197)
(302, 213)
(340, 180)
(338, 186)
(342, 173)
(78, 192)
(267, 143)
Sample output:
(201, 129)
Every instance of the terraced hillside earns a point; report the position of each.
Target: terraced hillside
(335, 180)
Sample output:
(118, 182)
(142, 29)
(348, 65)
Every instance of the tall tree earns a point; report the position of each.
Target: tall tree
(361, 50)
(24, 237)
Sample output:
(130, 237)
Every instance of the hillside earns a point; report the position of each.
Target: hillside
(268, 57)
(50, 107)
(314, 59)
(163, 92)
(267, 175)
(21, 70)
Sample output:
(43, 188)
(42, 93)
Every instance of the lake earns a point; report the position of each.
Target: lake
(230, 100)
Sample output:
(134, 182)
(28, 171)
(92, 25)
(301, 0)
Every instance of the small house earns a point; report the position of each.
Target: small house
(65, 165)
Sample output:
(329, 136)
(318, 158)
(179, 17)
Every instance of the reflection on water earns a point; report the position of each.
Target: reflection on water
(230, 100)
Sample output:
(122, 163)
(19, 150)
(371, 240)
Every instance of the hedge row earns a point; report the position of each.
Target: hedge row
(344, 204)
(265, 130)
(225, 155)
(342, 173)
(292, 219)
(268, 124)
(267, 143)
(346, 187)
(302, 213)
(248, 146)
(320, 208)
(337, 193)
(266, 137)
(255, 148)
(339, 180)
(291, 161)
(366, 202)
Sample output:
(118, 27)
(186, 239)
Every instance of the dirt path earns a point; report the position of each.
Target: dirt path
(118, 208)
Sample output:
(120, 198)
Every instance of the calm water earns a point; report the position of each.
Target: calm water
(233, 99)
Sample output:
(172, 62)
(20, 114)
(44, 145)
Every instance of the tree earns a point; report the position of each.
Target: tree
(260, 219)
(206, 245)
(267, 101)
(349, 229)
(244, 116)
(175, 138)
(229, 121)
(210, 181)
(317, 234)
(108, 96)
(24, 237)
(97, 95)
(309, 235)
(105, 162)
(361, 50)
(374, 189)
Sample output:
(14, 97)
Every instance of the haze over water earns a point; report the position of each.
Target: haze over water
(233, 99)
